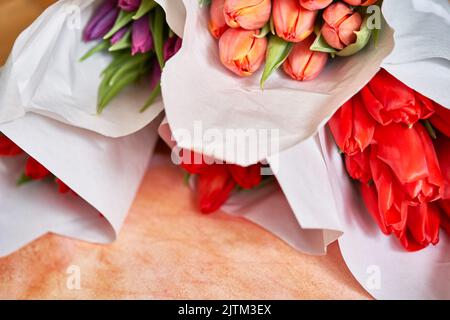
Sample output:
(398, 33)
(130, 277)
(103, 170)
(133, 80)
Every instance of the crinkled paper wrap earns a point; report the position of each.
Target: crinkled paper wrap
(43, 74)
(104, 172)
(421, 57)
(209, 94)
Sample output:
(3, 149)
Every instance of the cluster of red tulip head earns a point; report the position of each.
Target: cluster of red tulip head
(396, 143)
(217, 181)
(282, 32)
(33, 171)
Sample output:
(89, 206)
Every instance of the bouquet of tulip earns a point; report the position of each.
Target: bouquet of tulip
(396, 144)
(34, 171)
(296, 34)
(215, 182)
(136, 34)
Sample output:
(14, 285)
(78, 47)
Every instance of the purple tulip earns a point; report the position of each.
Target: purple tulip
(141, 38)
(119, 35)
(129, 5)
(171, 47)
(102, 21)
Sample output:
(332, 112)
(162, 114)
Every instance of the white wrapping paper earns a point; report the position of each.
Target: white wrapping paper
(43, 74)
(208, 92)
(421, 57)
(104, 172)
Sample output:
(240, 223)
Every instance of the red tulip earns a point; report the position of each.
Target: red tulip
(341, 25)
(214, 188)
(35, 171)
(304, 64)
(247, 14)
(62, 187)
(217, 24)
(422, 227)
(246, 177)
(415, 226)
(445, 215)
(8, 147)
(370, 197)
(193, 162)
(389, 100)
(241, 52)
(364, 3)
(352, 127)
(392, 202)
(315, 4)
(358, 166)
(410, 154)
(292, 22)
(441, 119)
(442, 145)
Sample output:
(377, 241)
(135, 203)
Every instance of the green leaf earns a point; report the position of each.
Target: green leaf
(24, 179)
(113, 91)
(157, 24)
(362, 39)
(145, 7)
(154, 94)
(322, 46)
(277, 52)
(123, 43)
(133, 63)
(99, 47)
(122, 20)
(204, 3)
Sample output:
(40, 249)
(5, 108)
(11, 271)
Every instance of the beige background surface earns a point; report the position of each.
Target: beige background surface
(167, 249)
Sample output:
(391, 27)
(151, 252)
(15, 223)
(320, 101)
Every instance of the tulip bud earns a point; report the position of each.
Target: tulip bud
(292, 22)
(352, 127)
(358, 166)
(214, 188)
(102, 21)
(35, 171)
(129, 5)
(341, 25)
(8, 147)
(241, 52)
(246, 177)
(247, 14)
(411, 156)
(315, 4)
(370, 197)
(142, 40)
(442, 146)
(217, 24)
(62, 187)
(171, 47)
(363, 3)
(304, 64)
(389, 100)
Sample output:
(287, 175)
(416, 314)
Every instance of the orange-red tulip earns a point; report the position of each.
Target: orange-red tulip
(315, 4)
(364, 3)
(241, 52)
(442, 146)
(217, 24)
(247, 14)
(292, 22)
(304, 64)
(341, 25)
(389, 100)
(352, 127)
